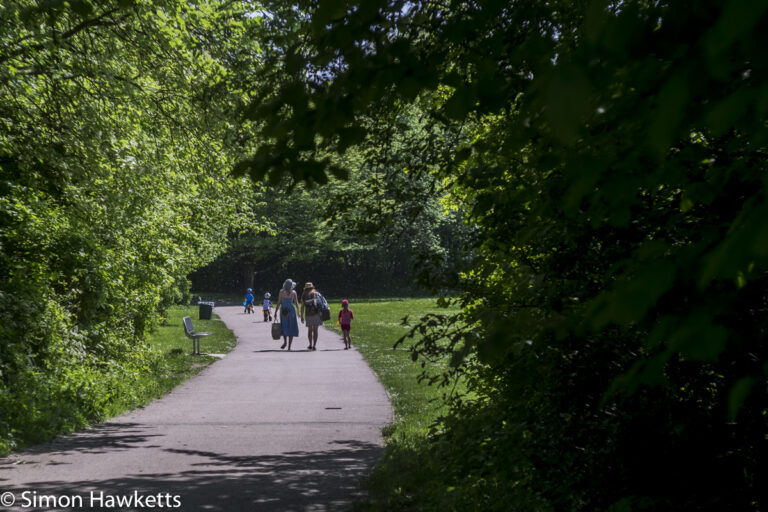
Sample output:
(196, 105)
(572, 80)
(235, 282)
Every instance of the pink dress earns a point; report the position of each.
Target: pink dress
(345, 319)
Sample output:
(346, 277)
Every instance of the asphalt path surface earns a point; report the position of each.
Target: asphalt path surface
(263, 429)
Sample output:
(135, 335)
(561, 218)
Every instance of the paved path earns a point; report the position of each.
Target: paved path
(260, 430)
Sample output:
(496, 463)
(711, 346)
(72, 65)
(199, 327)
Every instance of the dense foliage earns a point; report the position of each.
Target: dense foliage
(115, 148)
(367, 235)
(612, 155)
(608, 158)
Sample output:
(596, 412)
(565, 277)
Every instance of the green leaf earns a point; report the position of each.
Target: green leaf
(671, 104)
(569, 99)
(738, 394)
(81, 7)
(727, 112)
(461, 102)
(699, 338)
(736, 19)
(349, 137)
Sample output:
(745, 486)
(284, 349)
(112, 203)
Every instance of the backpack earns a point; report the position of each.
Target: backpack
(312, 305)
(325, 309)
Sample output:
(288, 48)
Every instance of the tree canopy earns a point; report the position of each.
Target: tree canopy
(611, 155)
(587, 178)
(364, 236)
(115, 150)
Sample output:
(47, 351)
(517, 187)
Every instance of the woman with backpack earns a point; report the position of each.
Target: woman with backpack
(287, 303)
(312, 305)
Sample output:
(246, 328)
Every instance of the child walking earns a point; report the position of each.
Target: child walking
(266, 307)
(345, 320)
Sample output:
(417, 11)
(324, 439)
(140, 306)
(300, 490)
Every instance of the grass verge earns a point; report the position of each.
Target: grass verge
(173, 362)
(51, 405)
(375, 329)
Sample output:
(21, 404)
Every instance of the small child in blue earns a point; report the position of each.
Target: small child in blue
(266, 307)
(248, 301)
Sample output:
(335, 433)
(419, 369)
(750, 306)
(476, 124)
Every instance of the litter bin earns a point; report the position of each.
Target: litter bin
(206, 308)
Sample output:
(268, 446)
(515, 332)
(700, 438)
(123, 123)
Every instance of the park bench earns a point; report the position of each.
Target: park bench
(189, 330)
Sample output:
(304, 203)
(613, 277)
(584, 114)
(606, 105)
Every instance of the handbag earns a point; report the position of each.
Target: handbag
(276, 330)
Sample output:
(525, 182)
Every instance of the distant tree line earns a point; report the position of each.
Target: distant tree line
(367, 235)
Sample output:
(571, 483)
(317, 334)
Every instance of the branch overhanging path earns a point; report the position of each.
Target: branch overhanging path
(262, 429)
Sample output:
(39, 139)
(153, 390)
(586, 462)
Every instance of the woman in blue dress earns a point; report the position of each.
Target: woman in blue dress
(288, 303)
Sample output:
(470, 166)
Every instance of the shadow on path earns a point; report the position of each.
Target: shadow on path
(243, 435)
(105, 438)
(293, 481)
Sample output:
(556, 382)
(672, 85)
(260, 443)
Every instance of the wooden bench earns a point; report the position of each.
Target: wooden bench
(189, 330)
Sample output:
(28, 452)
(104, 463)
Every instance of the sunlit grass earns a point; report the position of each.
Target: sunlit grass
(378, 324)
(174, 362)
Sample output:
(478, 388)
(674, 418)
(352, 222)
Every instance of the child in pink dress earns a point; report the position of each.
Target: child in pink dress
(345, 320)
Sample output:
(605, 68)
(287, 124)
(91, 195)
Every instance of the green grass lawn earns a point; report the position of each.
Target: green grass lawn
(174, 362)
(375, 329)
